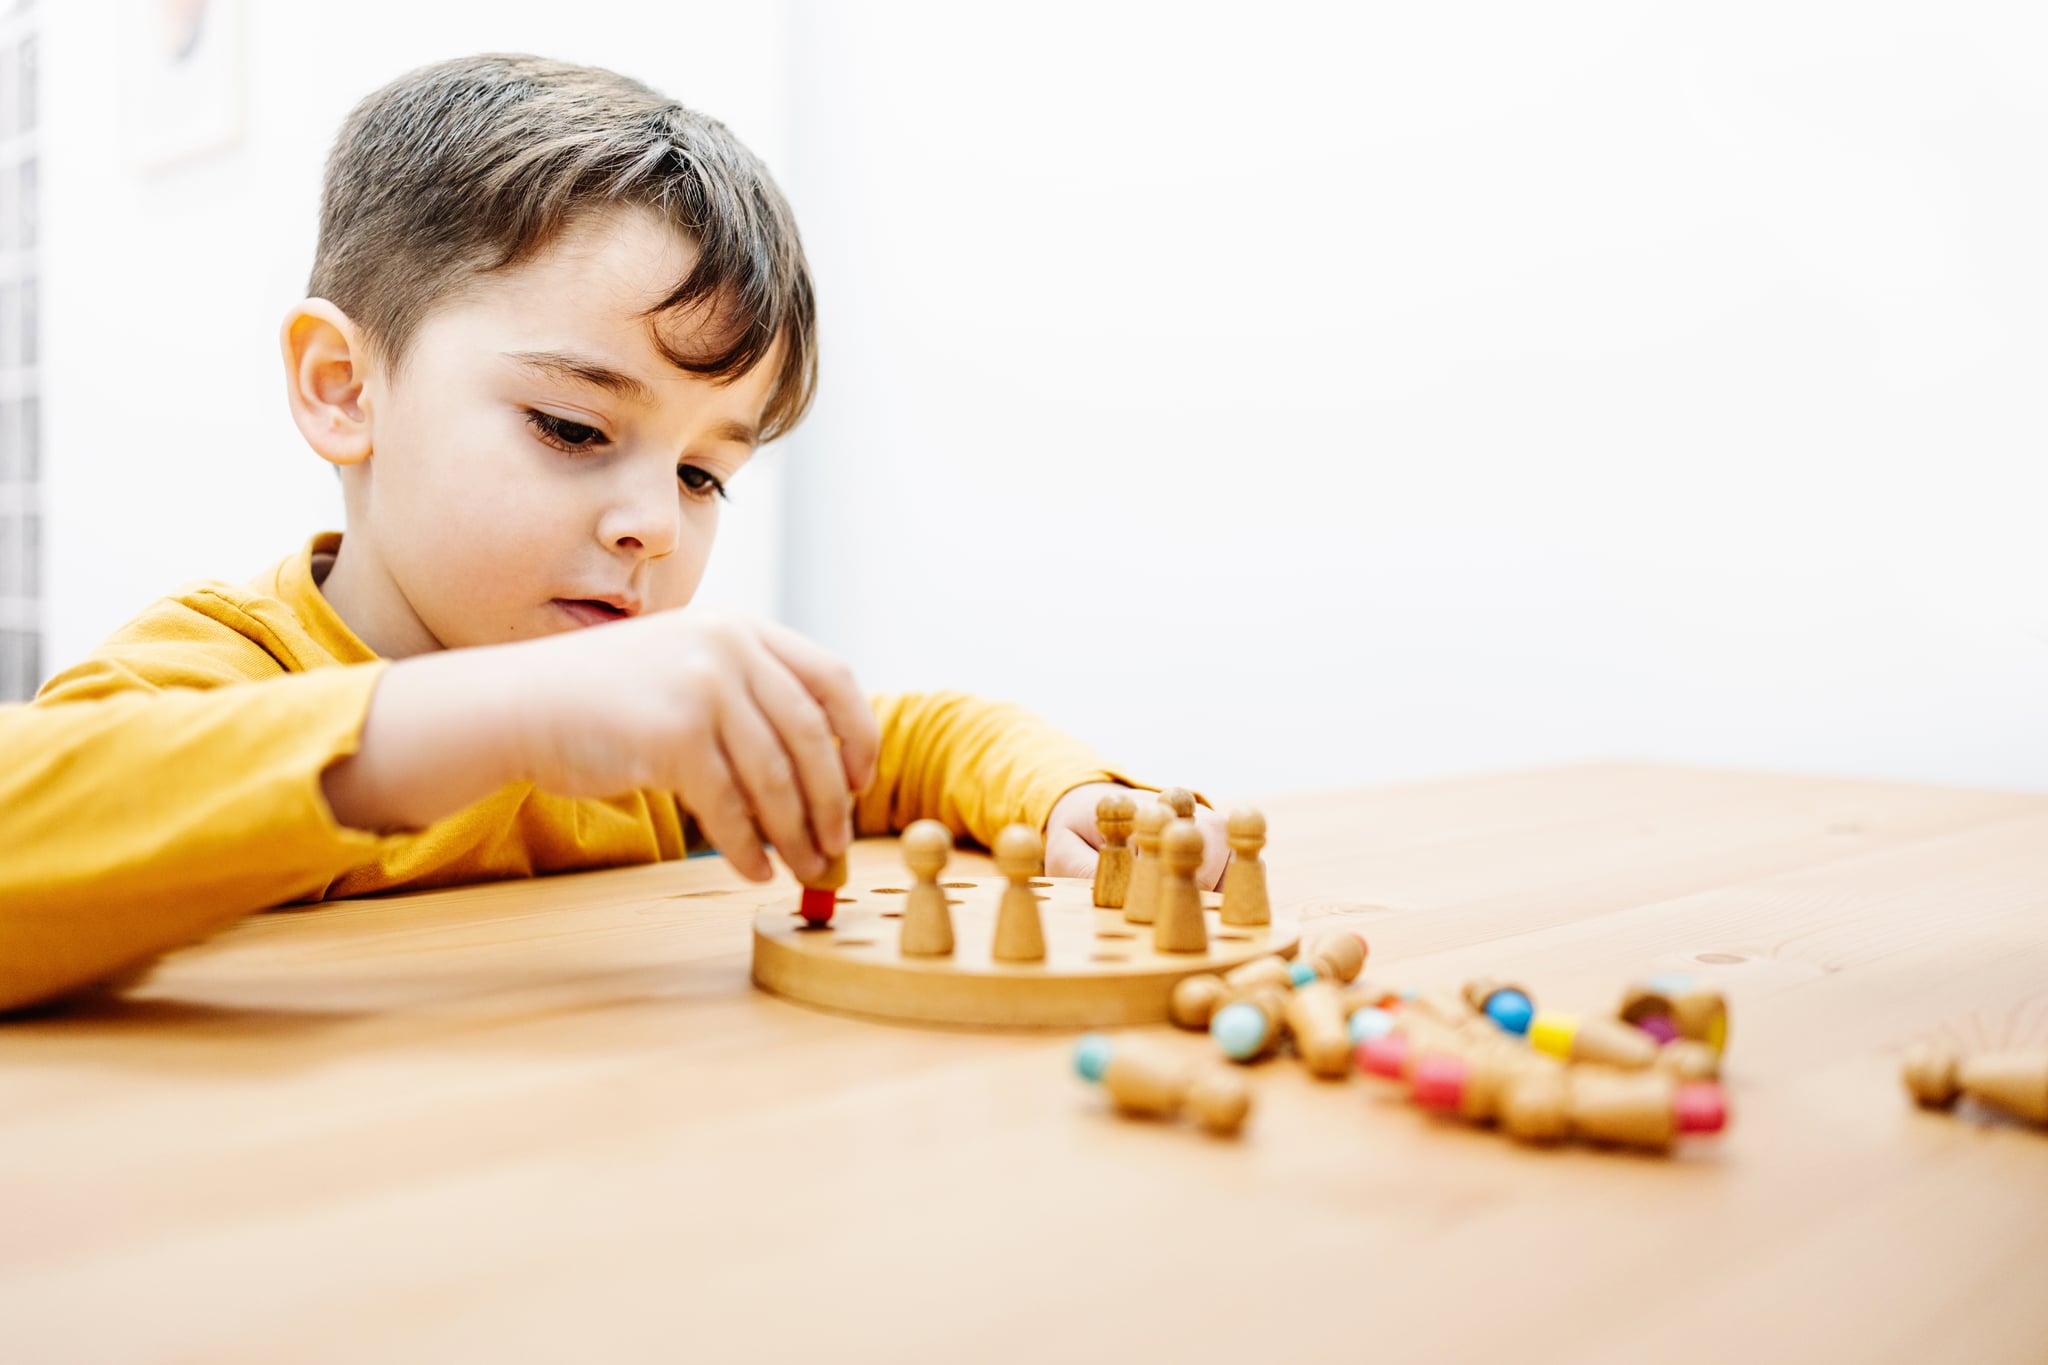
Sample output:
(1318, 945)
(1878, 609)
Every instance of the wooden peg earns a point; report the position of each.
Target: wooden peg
(1179, 926)
(1688, 1059)
(1338, 956)
(1645, 1109)
(927, 922)
(1693, 1011)
(1141, 904)
(1473, 1083)
(2015, 1082)
(1315, 1016)
(821, 893)
(1244, 881)
(1115, 814)
(1180, 801)
(1019, 935)
(1249, 1024)
(1270, 971)
(1148, 1081)
(1195, 999)
(1608, 1042)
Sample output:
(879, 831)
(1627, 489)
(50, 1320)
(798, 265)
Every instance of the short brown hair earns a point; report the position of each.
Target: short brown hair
(470, 166)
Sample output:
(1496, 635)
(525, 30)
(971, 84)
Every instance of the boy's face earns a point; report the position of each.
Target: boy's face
(537, 464)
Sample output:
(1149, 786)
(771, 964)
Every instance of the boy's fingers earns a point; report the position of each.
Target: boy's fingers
(807, 738)
(1067, 854)
(767, 777)
(1215, 848)
(708, 792)
(827, 678)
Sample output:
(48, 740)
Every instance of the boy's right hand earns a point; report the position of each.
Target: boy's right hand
(757, 730)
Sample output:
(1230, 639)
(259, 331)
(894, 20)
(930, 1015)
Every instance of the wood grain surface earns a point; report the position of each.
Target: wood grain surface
(551, 1120)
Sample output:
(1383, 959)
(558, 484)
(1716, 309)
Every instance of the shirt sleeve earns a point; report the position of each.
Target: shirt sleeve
(135, 819)
(975, 765)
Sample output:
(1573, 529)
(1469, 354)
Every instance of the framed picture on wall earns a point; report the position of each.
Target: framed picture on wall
(181, 78)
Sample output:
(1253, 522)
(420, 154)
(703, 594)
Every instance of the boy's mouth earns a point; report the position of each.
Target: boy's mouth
(594, 611)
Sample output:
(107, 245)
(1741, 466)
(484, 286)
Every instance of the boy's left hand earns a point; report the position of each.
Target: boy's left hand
(1071, 839)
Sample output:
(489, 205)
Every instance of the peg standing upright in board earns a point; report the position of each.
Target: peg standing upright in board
(1180, 801)
(821, 894)
(1244, 883)
(927, 923)
(1141, 905)
(1114, 816)
(1179, 927)
(1019, 935)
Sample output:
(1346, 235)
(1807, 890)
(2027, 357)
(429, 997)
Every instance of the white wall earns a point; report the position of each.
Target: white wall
(171, 453)
(1291, 396)
(1281, 396)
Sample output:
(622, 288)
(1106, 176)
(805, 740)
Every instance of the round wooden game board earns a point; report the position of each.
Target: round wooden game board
(1098, 970)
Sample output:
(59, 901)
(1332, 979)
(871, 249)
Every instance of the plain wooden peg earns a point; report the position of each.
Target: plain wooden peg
(1020, 937)
(1315, 1016)
(2015, 1082)
(1141, 905)
(1179, 927)
(1244, 881)
(1180, 801)
(1115, 815)
(927, 922)
(1195, 999)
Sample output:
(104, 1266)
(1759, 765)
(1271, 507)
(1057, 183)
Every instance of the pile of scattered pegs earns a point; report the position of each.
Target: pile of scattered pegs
(1254, 1010)
(1642, 1078)
(2013, 1083)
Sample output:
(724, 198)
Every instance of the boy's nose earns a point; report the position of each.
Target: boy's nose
(645, 522)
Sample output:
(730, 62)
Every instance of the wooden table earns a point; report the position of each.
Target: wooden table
(551, 1120)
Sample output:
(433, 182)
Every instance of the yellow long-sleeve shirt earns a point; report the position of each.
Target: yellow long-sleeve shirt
(171, 783)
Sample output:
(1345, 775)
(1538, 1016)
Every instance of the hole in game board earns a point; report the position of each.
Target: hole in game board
(891, 891)
(1235, 938)
(854, 943)
(958, 886)
(1114, 933)
(1041, 883)
(1108, 957)
(956, 902)
(892, 914)
(843, 900)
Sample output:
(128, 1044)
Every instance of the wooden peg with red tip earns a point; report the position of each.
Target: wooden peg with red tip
(821, 893)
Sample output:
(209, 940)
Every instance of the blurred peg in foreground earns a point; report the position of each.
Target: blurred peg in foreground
(2015, 1082)
(927, 922)
(1195, 999)
(1250, 1025)
(1150, 1082)
(1606, 1041)
(1644, 1109)
(1338, 956)
(1244, 881)
(1315, 1015)
(1510, 1007)
(1674, 1005)
(1115, 815)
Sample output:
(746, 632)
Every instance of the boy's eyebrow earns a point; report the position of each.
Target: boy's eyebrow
(584, 369)
(566, 365)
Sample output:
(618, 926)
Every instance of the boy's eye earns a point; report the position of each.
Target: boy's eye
(701, 482)
(563, 434)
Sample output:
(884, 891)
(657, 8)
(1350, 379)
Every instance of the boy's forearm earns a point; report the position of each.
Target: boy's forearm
(440, 734)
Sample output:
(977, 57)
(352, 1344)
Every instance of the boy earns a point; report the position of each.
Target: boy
(552, 315)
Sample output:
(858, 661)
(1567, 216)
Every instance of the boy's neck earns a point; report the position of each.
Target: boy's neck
(370, 604)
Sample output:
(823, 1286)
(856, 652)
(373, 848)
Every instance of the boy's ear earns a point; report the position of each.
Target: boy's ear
(326, 365)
